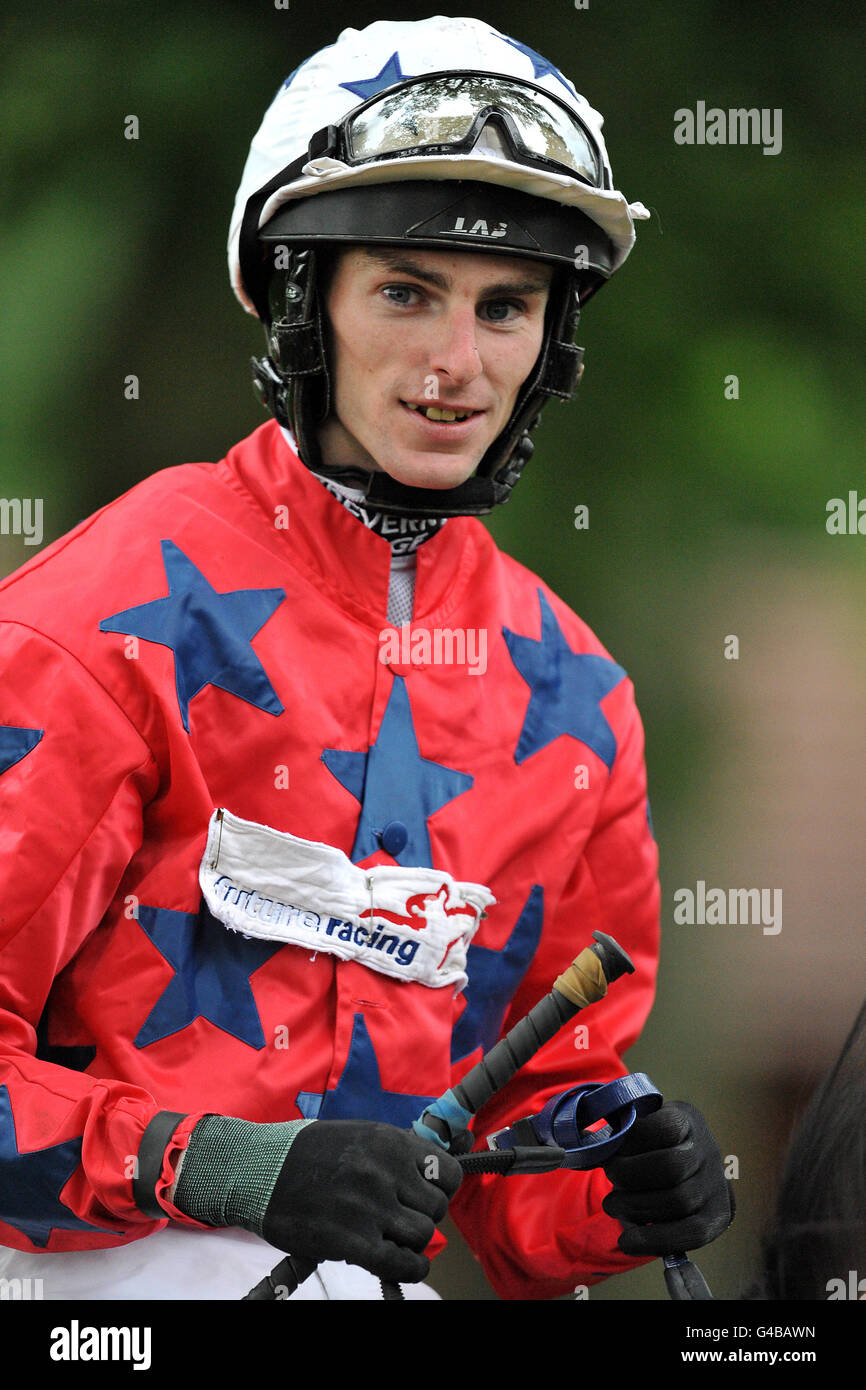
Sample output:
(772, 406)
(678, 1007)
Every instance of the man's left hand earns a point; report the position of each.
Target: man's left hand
(670, 1192)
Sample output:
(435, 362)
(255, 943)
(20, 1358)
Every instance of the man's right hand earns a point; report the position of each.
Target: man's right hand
(363, 1192)
(354, 1190)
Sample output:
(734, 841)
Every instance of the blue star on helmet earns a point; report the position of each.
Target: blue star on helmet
(395, 786)
(292, 75)
(368, 87)
(540, 66)
(212, 968)
(567, 689)
(494, 977)
(209, 633)
(16, 743)
(31, 1183)
(358, 1095)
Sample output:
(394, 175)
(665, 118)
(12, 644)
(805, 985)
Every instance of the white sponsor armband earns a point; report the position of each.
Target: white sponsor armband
(409, 923)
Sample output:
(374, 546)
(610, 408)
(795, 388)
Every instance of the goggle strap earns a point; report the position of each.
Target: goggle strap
(323, 142)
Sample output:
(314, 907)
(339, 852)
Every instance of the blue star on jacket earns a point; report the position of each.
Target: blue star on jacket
(210, 634)
(567, 690)
(386, 77)
(16, 743)
(392, 781)
(540, 66)
(212, 975)
(31, 1183)
(494, 977)
(358, 1094)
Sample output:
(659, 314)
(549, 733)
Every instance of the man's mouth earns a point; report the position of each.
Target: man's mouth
(441, 414)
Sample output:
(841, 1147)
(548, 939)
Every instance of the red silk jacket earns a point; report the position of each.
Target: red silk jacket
(217, 638)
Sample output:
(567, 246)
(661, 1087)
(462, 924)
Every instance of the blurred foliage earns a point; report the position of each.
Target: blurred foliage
(113, 263)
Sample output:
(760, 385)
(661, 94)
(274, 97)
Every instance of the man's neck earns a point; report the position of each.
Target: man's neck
(403, 533)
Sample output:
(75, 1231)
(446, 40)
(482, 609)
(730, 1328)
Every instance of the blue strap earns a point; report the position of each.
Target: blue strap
(635, 1089)
(566, 1119)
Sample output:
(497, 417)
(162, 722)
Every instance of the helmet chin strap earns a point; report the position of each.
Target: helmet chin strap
(477, 495)
(404, 534)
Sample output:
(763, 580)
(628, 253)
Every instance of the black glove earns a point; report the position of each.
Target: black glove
(670, 1192)
(363, 1192)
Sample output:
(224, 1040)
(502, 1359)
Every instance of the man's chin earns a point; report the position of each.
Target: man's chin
(436, 471)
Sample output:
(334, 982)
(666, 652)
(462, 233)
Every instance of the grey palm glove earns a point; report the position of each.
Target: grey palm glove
(352, 1190)
(229, 1169)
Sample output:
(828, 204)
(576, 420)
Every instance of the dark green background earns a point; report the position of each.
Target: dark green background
(707, 515)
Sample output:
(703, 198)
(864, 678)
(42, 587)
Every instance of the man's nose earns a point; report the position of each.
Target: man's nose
(455, 354)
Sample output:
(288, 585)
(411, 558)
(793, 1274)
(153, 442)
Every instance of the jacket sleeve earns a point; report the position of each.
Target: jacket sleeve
(75, 776)
(540, 1236)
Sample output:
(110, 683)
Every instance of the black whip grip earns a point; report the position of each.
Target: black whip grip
(513, 1051)
(282, 1281)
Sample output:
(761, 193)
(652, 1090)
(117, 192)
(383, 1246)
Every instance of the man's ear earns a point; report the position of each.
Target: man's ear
(580, 372)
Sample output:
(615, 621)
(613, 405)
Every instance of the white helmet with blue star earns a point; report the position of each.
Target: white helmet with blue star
(557, 154)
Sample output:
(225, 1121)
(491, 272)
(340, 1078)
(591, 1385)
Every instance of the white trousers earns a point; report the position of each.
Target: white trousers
(179, 1262)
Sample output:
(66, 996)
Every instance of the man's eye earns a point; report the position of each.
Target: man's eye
(399, 294)
(502, 310)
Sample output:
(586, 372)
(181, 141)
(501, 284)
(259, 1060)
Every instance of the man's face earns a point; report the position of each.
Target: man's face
(415, 330)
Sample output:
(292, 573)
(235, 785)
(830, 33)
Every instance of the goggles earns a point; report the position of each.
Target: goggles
(445, 113)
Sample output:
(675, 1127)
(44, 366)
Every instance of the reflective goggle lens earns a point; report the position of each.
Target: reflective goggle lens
(441, 112)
